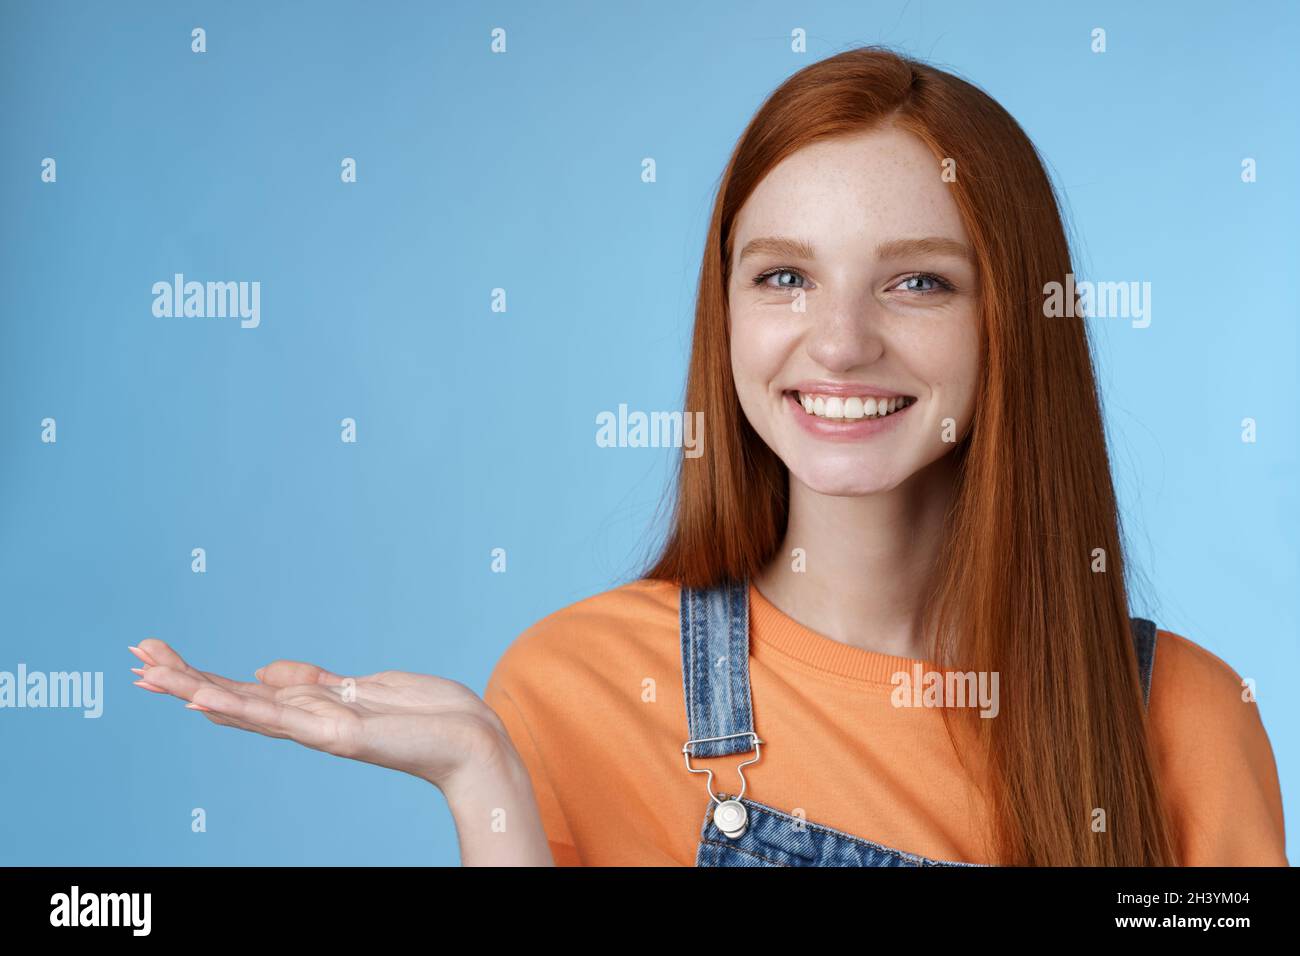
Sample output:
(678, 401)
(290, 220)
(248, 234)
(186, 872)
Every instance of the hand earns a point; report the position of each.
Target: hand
(436, 729)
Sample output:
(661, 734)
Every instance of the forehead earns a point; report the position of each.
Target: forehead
(863, 187)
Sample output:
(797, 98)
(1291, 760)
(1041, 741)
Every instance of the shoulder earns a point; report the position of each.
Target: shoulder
(571, 672)
(1197, 695)
(1198, 698)
(1215, 759)
(1183, 660)
(627, 623)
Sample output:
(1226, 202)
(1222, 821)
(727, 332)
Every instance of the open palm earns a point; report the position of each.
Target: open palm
(427, 726)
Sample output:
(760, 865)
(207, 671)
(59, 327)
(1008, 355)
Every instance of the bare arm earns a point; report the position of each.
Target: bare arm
(496, 814)
(430, 727)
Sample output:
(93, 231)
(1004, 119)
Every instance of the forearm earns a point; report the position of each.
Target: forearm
(496, 815)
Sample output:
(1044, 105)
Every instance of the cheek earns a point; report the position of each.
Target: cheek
(946, 355)
(966, 363)
(759, 348)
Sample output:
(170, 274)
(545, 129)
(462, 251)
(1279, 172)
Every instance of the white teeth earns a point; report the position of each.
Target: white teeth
(837, 407)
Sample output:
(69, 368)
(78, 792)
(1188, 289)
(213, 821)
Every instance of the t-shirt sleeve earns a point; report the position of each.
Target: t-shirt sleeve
(558, 835)
(1216, 764)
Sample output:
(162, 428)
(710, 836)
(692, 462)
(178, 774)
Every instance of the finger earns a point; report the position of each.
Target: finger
(292, 673)
(183, 684)
(233, 711)
(171, 681)
(238, 687)
(164, 656)
(158, 652)
(226, 721)
(141, 654)
(267, 716)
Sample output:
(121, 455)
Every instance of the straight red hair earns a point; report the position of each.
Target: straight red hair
(1014, 591)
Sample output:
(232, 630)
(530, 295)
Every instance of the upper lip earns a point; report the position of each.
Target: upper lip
(845, 389)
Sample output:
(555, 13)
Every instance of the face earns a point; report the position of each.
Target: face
(854, 313)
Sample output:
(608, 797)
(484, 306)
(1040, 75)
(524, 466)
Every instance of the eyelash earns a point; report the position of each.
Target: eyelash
(943, 284)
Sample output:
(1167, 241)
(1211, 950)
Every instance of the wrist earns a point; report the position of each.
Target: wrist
(492, 763)
(495, 811)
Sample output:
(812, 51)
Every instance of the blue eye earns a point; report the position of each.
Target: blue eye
(935, 284)
(921, 283)
(762, 279)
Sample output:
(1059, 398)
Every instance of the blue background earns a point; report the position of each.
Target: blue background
(476, 429)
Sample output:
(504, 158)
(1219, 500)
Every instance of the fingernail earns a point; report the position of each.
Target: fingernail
(258, 673)
(138, 670)
(148, 686)
(194, 706)
(140, 654)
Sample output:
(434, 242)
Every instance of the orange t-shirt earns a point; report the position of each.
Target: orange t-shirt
(592, 698)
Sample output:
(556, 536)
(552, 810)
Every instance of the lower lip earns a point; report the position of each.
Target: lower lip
(847, 429)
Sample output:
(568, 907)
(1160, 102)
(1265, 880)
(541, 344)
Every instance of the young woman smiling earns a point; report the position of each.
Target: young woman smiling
(904, 470)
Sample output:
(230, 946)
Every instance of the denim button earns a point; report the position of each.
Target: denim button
(730, 817)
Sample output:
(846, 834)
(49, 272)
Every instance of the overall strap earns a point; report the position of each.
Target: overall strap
(1144, 642)
(715, 666)
(715, 669)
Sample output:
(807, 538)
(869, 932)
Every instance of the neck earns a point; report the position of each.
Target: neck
(868, 561)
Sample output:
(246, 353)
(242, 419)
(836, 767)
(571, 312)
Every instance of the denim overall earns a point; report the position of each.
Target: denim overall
(715, 676)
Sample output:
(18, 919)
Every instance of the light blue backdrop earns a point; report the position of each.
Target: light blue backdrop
(476, 428)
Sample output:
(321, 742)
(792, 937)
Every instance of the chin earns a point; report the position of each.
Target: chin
(840, 482)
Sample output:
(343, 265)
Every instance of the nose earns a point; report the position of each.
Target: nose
(845, 334)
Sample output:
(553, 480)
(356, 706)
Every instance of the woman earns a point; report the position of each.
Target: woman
(904, 494)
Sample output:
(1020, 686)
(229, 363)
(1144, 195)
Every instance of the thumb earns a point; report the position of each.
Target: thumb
(290, 673)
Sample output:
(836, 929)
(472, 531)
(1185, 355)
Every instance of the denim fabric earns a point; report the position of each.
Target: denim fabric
(774, 838)
(715, 667)
(715, 678)
(1144, 642)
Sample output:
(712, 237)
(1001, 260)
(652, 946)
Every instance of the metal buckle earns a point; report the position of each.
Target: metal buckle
(708, 782)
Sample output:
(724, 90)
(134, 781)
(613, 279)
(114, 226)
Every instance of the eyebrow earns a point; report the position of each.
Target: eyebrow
(892, 249)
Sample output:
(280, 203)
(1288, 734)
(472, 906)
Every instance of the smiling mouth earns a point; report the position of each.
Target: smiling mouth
(838, 408)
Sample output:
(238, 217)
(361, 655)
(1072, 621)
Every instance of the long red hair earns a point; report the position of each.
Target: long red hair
(1015, 591)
